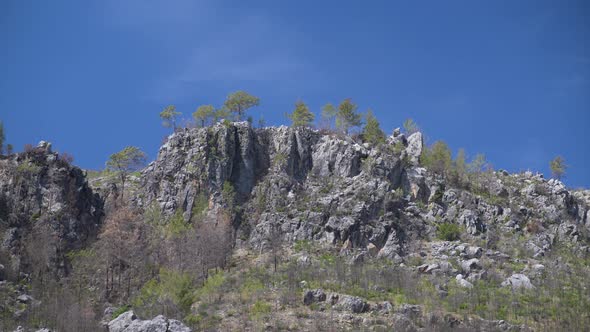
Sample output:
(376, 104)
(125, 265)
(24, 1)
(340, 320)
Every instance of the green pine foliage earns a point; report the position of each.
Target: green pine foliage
(372, 132)
(239, 102)
(448, 231)
(437, 158)
(229, 194)
(204, 114)
(169, 115)
(558, 167)
(327, 116)
(347, 116)
(410, 127)
(301, 116)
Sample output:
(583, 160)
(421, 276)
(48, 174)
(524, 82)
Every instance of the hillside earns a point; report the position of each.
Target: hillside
(239, 228)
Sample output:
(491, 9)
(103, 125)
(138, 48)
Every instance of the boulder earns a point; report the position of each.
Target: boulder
(382, 307)
(462, 282)
(350, 303)
(314, 296)
(428, 268)
(473, 252)
(518, 281)
(120, 323)
(470, 265)
(24, 298)
(128, 322)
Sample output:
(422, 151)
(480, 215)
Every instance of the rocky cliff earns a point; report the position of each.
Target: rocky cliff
(46, 210)
(304, 185)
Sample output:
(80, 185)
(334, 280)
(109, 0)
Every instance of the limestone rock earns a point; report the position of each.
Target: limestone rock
(48, 203)
(470, 265)
(518, 281)
(314, 296)
(128, 322)
(350, 303)
(414, 148)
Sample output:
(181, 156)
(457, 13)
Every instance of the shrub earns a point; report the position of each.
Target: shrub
(260, 308)
(200, 205)
(229, 194)
(302, 245)
(176, 225)
(534, 227)
(120, 311)
(437, 158)
(211, 286)
(410, 126)
(66, 157)
(173, 287)
(28, 169)
(449, 231)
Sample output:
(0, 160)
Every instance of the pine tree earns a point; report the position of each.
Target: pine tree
(126, 161)
(327, 116)
(438, 158)
(239, 102)
(347, 116)
(558, 167)
(372, 133)
(301, 116)
(203, 114)
(169, 115)
(410, 127)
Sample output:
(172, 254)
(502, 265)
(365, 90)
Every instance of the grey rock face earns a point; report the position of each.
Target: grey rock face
(414, 148)
(299, 184)
(128, 322)
(347, 180)
(45, 203)
(472, 222)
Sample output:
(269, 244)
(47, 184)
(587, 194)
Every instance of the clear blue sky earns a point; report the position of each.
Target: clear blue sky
(510, 79)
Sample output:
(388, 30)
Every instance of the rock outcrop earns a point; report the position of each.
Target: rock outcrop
(301, 184)
(128, 322)
(46, 209)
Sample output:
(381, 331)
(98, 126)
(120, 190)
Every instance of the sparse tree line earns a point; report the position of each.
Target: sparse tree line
(343, 118)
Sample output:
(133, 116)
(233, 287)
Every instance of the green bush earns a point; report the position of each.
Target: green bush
(120, 311)
(211, 286)
(172, 287)
(176, 225)
(229, 194)
(260, 308)
(302, 245)
(200, 205)
(449, 231)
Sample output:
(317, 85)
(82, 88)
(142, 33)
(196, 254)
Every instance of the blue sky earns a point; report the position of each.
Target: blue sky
(510, 79)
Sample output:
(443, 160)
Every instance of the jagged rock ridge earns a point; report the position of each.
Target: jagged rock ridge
(46, 209)
(329, 188)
